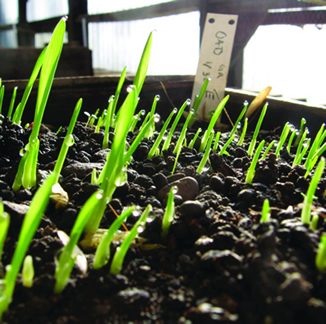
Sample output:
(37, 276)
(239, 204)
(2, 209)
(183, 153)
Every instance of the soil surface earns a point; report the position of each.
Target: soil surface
(219, 263)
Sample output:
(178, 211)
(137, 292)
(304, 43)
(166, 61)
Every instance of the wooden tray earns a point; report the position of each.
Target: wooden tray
(173, 90)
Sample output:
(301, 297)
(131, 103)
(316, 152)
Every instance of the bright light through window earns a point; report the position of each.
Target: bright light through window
(291, 59)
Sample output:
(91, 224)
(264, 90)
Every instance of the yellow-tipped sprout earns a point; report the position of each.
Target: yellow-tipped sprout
(28, 272)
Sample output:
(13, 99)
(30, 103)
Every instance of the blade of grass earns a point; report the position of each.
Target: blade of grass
(169, 212)
(51, 58)
(212, 123)
(308, 198)
(252, 144)
(251, 170)
(120, 253)
(174, 125)
(205, 157)
(19, 111)
(68, 141)
(102, 253)
(159, 138)
(12, 103)
(50, 63)
(2, 94)
(236, 124)
(66, 259)
(198, 100)
(143, 65)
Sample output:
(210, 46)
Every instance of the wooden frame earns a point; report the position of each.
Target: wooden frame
(250, 14)
(173, 90)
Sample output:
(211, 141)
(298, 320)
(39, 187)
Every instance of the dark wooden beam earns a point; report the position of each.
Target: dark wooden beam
(299, 17)
(252, 6)
(159, 10)
(25, 34)
(74, 26)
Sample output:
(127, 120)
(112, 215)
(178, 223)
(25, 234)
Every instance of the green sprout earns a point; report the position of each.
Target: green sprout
(20, 108)
(302, 148)
(212, 123)
(58, 131)
(136, 118)
(193, 141)
(174, 125)
(181, 139)
(4, 225)
(28, 272)
(121, 251)
(198, 100)
(2, 94)
(258, 126)
(314, 221)
(113, 170)
(216, 141)
(317, 148)
(140, 136)
(308, 198)
(238, 121)
(205, 157)
(315, 157)
(251, 170)
(169, 212)
(293, 133)
(114, 173)
(102, 253)
(302, 129)
(67, 257)
(117, 92)
(115, 160)
(244, 131)
(100, 121)
(108, 123)
(266, 212)
(285, 132)
(68, 140)
(151, 130)
(26, 175)
(12, 103)
(143, 65)
(154, 150)
(269, 147)
(30, 224)
(92, 118)
(321, 254)
(226, 145)
(112, 108)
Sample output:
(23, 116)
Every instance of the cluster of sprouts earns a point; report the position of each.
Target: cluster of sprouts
(113, 175)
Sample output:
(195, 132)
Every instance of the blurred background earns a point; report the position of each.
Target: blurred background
(279, 43)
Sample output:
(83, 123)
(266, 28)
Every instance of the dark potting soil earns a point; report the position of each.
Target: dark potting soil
(219, 264)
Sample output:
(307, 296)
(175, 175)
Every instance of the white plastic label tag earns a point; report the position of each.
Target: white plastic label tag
(214, 61)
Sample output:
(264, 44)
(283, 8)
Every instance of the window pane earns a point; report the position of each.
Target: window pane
(8, 12)
(290, 59)
(40, 9)
(175, 48)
